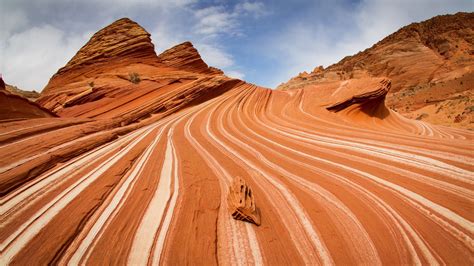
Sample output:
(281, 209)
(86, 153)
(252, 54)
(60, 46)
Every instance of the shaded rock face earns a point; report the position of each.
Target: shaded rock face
(242, 203)
(15, 107)
(363, 95)
(2, 84)
(428, 62)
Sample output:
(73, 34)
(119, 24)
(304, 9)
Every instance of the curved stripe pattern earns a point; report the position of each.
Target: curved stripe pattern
(329, 190)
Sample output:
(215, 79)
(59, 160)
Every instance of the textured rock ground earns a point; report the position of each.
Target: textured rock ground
(430, 63)
(139, 173)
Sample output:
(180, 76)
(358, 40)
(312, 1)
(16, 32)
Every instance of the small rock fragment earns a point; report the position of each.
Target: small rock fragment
(242, 203)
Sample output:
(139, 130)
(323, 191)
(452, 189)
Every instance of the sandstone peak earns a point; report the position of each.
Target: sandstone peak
(318, 69)
(186, 57)
(122, 38)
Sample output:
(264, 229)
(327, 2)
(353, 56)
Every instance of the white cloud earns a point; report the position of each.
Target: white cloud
(255, 9)
(215, 20)
(235, 74)
(164, 38)
(214, 56)
(209, 23)
(219, 19)
(34, 55)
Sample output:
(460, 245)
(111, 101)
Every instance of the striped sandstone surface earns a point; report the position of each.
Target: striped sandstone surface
(139, 172)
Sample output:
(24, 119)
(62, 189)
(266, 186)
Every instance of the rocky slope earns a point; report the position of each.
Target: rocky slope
(13, 105)
(30, 95)
(431, 65)
(154, 170)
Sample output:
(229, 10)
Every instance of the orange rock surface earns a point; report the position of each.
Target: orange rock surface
(138, 168)
(15, 107)
(431, 65)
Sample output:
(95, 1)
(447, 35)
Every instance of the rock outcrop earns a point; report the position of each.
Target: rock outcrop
(124, 39)
(362, 95)
(30, 95)
(241, 202)
(2, 83)
(15, 107)
(185, 56)
(118, 75)
(429, 63)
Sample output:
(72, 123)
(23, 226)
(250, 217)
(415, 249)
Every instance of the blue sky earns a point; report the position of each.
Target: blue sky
(263, 42)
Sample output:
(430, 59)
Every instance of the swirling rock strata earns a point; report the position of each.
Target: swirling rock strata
(137, 172)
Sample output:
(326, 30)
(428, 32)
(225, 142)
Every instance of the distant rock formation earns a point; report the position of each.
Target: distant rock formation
(118, 70)
(430, 63)
(242, 203)
(186, 57)
(30, 95)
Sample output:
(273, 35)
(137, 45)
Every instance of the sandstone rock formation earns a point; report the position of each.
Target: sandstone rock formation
(430, 63)
(185, 56)
(364, 94)
(30, 95)
(118, 75)
(242, 203)
(138, 172)
(15, 107)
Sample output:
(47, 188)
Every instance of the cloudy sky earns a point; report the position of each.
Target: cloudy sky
(263, 42)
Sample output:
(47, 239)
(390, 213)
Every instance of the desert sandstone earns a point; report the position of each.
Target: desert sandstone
(128, 157)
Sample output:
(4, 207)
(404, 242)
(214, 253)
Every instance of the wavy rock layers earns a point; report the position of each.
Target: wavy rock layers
(431, 65)
(330, 189)
(348, 186)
